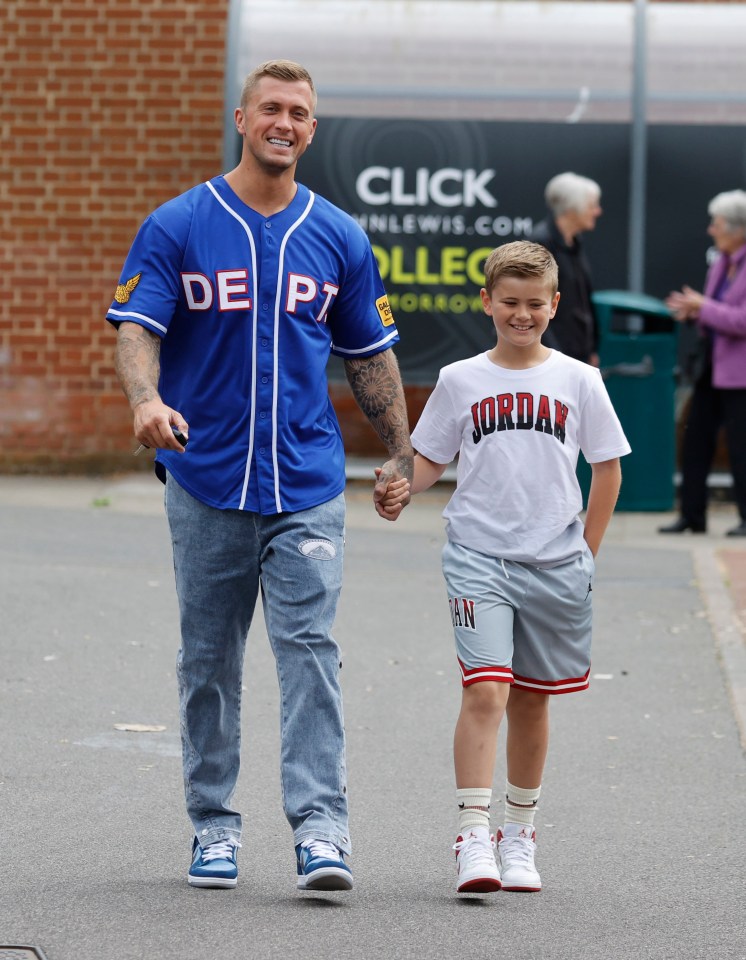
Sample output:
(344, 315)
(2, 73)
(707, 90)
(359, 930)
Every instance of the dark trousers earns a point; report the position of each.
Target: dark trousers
(710, 410)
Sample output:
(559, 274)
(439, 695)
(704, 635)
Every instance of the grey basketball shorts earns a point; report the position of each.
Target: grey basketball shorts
(520, 624)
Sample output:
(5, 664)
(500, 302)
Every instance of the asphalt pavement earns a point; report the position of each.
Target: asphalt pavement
(640, 824)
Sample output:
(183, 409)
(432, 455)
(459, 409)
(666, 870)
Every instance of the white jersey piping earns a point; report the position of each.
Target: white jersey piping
(254, 295)
(122, 315)
(278, 296)
(371, 346)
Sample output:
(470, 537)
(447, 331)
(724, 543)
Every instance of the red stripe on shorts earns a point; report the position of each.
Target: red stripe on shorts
(479, 674)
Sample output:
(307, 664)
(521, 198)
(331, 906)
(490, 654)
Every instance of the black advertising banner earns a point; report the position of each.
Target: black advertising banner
(687, 167)
(435, 197)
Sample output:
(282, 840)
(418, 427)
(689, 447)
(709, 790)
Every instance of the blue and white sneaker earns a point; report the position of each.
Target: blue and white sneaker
(215, 865)
(321, 866)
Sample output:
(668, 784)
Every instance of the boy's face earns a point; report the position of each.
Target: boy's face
(521, 308)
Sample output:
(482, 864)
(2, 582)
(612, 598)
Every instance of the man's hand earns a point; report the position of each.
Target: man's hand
(153, 421)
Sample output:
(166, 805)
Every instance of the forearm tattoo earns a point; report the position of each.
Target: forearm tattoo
(377, 388)
(137, 362)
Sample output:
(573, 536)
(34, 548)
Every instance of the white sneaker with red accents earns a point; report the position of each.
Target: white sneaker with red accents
(475, 862)
(516, 846)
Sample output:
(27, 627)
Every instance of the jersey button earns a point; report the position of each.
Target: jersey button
(264, 341)
(262, 415)
(265, 306)
(268, 225)
(265, 379)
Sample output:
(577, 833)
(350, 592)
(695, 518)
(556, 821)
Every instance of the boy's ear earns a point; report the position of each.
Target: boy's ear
(555, 304)
(486, 301)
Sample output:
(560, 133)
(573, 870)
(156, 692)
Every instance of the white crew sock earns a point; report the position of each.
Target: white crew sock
(520, 804)
(473, 808)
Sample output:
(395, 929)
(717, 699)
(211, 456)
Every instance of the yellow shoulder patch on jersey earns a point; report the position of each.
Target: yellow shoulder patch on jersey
(125, 289)
(384, 311)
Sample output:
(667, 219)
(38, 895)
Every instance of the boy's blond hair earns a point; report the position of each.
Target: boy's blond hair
(287, 70)
(523, 259)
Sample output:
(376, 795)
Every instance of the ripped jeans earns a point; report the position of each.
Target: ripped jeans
(221, 559)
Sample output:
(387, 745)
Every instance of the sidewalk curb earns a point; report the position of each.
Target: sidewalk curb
(727, 628)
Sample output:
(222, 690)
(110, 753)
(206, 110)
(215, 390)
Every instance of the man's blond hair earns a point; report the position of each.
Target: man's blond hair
(523, 259)
(287, 70)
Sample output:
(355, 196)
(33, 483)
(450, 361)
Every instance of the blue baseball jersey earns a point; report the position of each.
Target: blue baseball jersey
(249, 308)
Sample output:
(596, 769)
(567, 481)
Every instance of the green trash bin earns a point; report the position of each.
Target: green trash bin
(638, 352)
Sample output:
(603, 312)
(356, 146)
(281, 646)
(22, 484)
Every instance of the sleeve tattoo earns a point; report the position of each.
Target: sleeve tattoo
(137, 362)
(377, 388)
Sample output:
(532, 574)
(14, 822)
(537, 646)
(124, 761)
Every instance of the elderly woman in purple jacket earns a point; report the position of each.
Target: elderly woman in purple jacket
(719, 396)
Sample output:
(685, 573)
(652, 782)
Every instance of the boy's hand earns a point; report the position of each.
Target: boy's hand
(390, 497)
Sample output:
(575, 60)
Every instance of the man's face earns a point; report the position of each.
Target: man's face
(277, 123)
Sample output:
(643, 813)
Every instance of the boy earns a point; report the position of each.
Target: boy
(518, 562)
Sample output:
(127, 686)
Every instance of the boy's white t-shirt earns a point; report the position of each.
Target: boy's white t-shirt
(518, 433)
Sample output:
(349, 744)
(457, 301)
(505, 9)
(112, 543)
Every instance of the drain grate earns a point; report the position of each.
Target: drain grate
(8, 952)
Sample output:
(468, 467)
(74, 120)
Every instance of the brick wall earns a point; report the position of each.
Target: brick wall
(109, 108)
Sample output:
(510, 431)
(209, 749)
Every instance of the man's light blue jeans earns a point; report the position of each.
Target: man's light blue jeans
(222, 558)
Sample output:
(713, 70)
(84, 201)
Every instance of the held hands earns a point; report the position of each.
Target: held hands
(390, 496)
(684, 304)
(153, 425)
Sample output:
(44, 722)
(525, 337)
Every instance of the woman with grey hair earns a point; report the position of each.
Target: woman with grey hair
(719, 395)
(574, 203)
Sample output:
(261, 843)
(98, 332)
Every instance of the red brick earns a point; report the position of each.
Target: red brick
(73, 199)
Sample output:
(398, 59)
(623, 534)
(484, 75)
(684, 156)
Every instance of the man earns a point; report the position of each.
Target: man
(231, 299)
(574, 203)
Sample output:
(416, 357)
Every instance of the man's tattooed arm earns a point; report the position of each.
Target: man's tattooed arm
(377, 388)
(137, 362)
